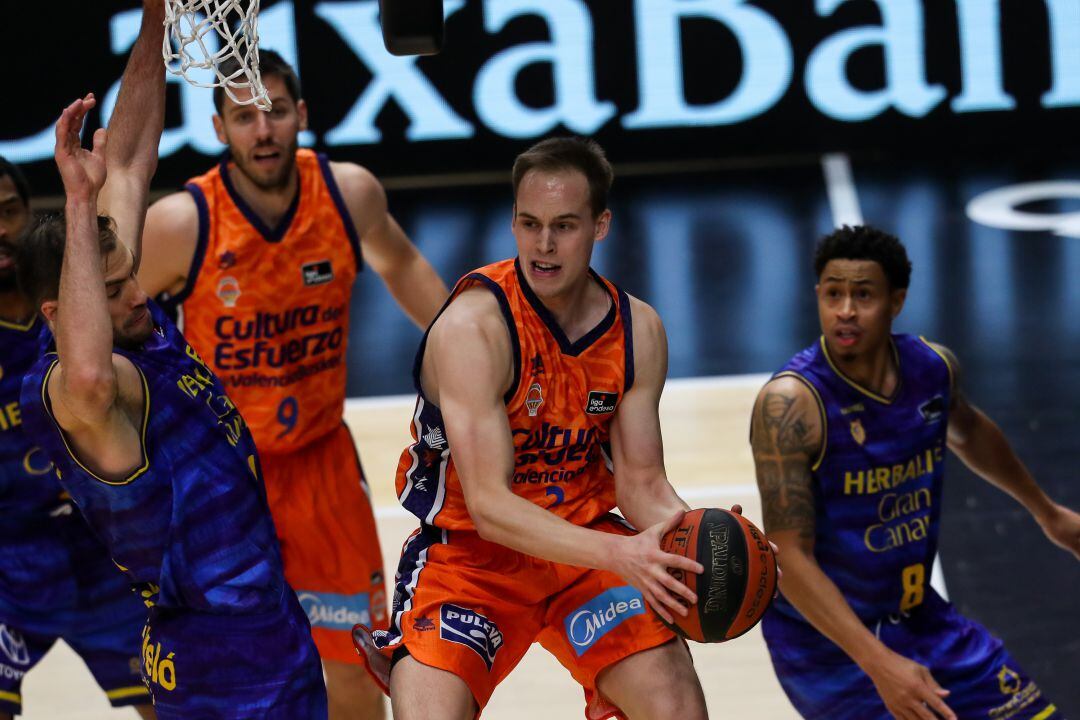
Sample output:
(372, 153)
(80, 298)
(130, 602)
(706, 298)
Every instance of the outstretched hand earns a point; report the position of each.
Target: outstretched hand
(83, 171)
(642, 563)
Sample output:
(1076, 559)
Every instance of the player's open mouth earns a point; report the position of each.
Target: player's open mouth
(541, 268)
(848, 337)
(266, 156)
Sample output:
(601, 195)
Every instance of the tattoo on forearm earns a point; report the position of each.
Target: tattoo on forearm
(783, 444)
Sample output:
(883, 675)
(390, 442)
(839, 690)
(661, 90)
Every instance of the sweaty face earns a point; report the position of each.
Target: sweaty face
(263, 144)
(131, 321)
(14, 215)
(856, 307)
(555, 230)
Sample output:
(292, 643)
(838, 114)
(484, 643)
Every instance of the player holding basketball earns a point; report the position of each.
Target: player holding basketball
(537, 414)
(849, 442)
(261, 253)
(56, 579)
(146, 440)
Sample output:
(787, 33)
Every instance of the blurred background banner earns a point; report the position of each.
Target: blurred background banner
(656, 81)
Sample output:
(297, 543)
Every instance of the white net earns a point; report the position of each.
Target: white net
(202, 34)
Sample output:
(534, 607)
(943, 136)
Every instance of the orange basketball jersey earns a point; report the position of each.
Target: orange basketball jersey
(269, 307)
(560, 408)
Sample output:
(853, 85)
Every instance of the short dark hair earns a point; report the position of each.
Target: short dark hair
(270, 64)
(863, 242)
(12, 171)
(41, 255)
(569, 153)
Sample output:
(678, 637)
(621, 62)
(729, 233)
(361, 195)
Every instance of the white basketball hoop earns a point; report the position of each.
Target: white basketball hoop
(201, 34)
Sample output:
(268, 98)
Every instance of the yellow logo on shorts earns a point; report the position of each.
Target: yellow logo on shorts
(157, 669)
(1008, 681)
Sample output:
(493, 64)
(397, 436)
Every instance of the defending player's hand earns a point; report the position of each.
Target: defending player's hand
(82, 170)
(737, 509)
(908, 689)
(642, 563)
(1062, 526)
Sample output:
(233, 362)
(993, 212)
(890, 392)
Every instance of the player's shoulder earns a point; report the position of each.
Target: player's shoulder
(473, 322)
(944, 352)
(646, 321)
(175, 211)
(789, 386)
(474, 309)
(353, 177)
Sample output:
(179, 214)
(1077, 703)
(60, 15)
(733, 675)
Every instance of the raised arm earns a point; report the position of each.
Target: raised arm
(982, 446)
(90, 385)
(469, 360)
(135, 130)
(408, 275)
(786, 437)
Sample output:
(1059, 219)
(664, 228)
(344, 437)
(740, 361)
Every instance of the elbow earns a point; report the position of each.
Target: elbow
(91, 388)
(484, 517)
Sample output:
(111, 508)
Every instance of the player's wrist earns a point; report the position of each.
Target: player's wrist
(872, 656)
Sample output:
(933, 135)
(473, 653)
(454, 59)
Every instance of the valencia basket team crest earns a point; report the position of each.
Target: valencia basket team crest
(534, 399)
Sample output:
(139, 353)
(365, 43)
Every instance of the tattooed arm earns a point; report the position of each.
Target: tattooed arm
(786, 435)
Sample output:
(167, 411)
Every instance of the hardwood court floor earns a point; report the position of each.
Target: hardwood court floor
(705, 425)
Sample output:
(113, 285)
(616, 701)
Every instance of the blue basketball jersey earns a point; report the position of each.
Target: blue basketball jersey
(190, 526)
(877, 479)
(28, 487)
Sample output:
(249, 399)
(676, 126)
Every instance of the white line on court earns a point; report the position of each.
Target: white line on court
(694, 494)
(840, 184)
(754, 380)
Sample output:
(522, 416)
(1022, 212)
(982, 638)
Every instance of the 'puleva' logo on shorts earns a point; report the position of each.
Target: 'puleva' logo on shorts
(14, 646)
(335, 612)
(601, 615)
(471, 629)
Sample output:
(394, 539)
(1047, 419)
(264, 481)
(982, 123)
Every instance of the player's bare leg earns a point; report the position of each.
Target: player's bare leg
(146, 712)
(421, 692)
(351, 693)
(656, 684)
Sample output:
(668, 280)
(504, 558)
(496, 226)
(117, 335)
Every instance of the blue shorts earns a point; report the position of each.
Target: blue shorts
(57, 582)
(201, 666)
(963, 657)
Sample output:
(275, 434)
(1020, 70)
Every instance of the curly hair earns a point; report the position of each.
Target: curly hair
(863, 242)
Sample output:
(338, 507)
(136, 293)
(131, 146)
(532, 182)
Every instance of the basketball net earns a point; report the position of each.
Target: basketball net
(201, 34)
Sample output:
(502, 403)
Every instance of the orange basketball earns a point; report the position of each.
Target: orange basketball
(739, 579)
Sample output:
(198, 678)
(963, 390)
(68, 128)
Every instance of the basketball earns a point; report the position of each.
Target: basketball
(739, 579)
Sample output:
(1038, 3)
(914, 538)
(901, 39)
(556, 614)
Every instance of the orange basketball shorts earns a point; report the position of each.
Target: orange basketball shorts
(473, 608)
(322, 511)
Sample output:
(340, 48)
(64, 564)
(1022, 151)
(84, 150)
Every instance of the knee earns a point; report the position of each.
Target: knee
(656, 685)
(352, 693)
(422, 692)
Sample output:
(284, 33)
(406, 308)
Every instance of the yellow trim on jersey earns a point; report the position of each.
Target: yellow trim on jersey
(11, 697)
(127, 692)
(821, 409)
(1050, 710)
(142, 439)
(872, 395)
(9, 325)
(952, 376)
